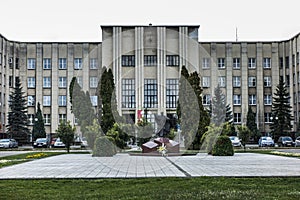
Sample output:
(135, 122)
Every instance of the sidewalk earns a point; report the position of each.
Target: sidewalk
(126, 166)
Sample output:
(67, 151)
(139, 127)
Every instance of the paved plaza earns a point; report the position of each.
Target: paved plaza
(126, 166)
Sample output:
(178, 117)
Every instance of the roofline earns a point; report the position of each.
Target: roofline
(150, 25)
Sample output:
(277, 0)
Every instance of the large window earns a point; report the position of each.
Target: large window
(128, 93)
(77, 63)
(46, 100)
(93, 82)
(150, 93)
(172, 93)
(237, 118)
(205, 81)
(62, 118)
(252, 81)
(237, 99)
(236, 81)
(222, 81)
(268, 99)
(93, 63)
(31, 63)
(221, 63)
(172, 60)
(30, 100)
(236, 63)
(205, 63)
(31, 82)
(128, 61)
(206, 99)
(252, 63)
(62, 100)
(252, 99)
(79, 81)
(47, 63)
(267, 63)
(94, 100)
(62, 63)
(150, 60)
(62, 82)
(267, 81)
(268, 117)
(47, 119)
(47, 82)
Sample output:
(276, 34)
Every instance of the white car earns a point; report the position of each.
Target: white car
(8, 143)
(58, 143)
(236, 142)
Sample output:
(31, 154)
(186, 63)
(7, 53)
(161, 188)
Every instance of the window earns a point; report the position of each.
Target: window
(62, 82)
(268, 117)
(30, 100)
(94, 100)
(128, 93)
(221, 63)
(205, 63)
(172, 60)
(281, 62)
(62, 100)
(93, 82)
(93, 63)
(268, 99)
(31, 63)
(10, 81)
(251, 63)
(205, 81)
(62, 118)
(287, 62)
(30, 119)
(47, 119)
(77, 63)
(236, 81)
(46, 100)
(237, 99)
(47, 82)
(128, 61)
(206, 99)
(267, 63)
(236, 63)
(17, 63)
(31, 82)
(252, 81)
(222, 81)
(150, 93)
(252, 99)
(47, 63)
(267, 81)
(79, 81)
(237, 118)
(62, 63)
(150, 60)
(172, 93)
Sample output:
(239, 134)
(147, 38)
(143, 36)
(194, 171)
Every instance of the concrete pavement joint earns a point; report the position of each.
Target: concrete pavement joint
(179, 168)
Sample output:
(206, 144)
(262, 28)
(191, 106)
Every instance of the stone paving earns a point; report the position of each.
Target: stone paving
(126, 166)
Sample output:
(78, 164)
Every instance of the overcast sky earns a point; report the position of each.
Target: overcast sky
(65, 20)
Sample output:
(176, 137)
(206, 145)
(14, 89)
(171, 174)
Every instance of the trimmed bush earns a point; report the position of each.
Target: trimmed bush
(223, 147)
(104, 147)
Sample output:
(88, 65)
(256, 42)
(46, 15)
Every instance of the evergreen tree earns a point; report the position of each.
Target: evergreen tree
(17, 116)
(281, 111)
(252, 126)
(65, 132)
(38, 130)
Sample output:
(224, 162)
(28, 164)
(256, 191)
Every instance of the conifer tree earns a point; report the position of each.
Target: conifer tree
(38, 130)
(252, 126)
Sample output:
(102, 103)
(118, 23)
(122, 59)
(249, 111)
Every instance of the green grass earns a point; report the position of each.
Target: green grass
(153, 188)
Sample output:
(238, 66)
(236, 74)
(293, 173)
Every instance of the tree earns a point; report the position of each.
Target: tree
(209, 138)
(218, 107)
(93, 132)
(65, 132)
(17, 116)
(144, 131)
(120, 137)
(281, 112)
(244, 135)
(38, 130)
(252, 126)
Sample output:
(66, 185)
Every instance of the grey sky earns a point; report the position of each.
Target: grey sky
(64, 20)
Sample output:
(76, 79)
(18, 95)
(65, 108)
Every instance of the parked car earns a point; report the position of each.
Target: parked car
(297, 142)
(285, 141)
(41, 142)
(8, 143)
(84, 142)
(236, 142)
(52, 142)
(266, 142)
(58, 143)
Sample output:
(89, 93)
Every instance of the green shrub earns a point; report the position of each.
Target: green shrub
(104, 147)
(223, 147)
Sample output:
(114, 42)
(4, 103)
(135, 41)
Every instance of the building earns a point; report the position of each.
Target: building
(146, 63)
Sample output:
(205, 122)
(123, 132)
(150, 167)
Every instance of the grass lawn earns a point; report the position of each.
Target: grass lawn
(153, 188)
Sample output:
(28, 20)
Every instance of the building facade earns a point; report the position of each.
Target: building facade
(146, 62)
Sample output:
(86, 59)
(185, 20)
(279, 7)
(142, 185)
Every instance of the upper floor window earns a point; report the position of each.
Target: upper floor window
(128, 60)
(252, 99)
(267, 81)
(222, 81)
(47, 63)
(62, 63)
(267, 63)
(252, 81)
(268, 99)
(221, 63)
(93, 81)
(77, 63)
(150, 60)
(94, 100)
(31, 82)
(150, 93)
(205, 63)
(281, 62)
(47, 119)
(236, 63)
(251, 63)
(30, 100)
(205, 81)
(172, 92)
(62, 82)
(172, 60)
(287, 62)
(236, 81)
(30, 118)
(62, 100)
(237, 99)
(237, 118)
(128, 93)
(206, 99)
(31, 63)
(47, 82)
(93, 63)
(62, 118)
(268, 118)
(79, 81)
(46, 100)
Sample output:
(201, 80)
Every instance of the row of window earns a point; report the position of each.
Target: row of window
(62, 63)
(236, 63)
(62, 100)
(237, 118)
(236, 81)
(150, 60)
(62, 82)
(237, 99)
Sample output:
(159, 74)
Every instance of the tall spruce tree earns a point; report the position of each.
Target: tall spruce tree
(281, 111)
(38, 130)
(252, 126)
(17, 116)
